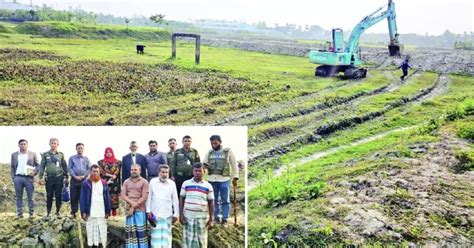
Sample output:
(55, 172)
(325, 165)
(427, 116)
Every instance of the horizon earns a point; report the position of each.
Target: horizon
(435, 12)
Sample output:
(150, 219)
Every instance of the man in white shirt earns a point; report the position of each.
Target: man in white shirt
(162, 207)
(24, 166)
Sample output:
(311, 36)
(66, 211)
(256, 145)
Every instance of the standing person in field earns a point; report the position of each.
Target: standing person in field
(130, 159)
(219, 162)
(95, 207)
(54, 166)
(78, 168)
(170, 155)
(110, 172)
(153, 159)
(163, 206)
(405, 65)
(24, 166)
(185, 158)
(196, 209)
(135, 194)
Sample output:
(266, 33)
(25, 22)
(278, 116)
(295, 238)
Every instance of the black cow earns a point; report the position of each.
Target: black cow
(140, 49)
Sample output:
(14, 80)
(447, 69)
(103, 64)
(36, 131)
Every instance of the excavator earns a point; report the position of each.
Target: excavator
(338, 57)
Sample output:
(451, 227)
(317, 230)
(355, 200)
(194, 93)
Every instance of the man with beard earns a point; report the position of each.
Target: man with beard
(196, 207)
(95, 207)
(153, 159)
(130, 159)
(170, 155)
(185, 157)
(135, 194)
(220, 161)
(78, 167)
(162, 205)
(54, 166)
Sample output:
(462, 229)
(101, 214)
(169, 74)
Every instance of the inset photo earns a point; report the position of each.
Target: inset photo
(123, 186)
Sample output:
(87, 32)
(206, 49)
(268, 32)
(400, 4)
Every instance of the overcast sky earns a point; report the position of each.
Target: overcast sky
(413, 16)
(96, 139)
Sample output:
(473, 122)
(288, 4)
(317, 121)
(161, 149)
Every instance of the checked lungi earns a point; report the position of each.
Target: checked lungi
(96, 228)
(135, 230)
(161, 236)
(195, 233)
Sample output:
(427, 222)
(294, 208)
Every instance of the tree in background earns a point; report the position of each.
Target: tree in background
(159, 19)
(127, 21)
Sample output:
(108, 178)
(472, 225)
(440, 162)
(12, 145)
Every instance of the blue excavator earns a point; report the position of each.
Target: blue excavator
(339, 57)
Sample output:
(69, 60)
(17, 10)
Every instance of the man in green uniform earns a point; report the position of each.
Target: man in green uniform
(170, 155)
(220, 162)
(54, 168)
(185, 158)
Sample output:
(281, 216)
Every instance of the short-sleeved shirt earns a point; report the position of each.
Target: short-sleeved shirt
(135, 191)
(197, 195)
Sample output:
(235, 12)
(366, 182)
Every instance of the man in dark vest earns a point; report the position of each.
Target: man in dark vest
(220, 162)
(185, 158)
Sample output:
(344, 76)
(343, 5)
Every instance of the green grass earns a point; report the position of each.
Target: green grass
(455, 105)
(273, 72)
(89, 31)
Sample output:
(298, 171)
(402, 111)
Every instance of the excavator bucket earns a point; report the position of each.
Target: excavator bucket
(395, 50)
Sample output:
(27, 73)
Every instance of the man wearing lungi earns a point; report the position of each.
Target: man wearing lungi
(162, 205)
(196, 208)
(135, 193)
(95, 207)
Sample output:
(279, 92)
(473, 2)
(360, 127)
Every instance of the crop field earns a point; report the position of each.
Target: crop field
(374, 161)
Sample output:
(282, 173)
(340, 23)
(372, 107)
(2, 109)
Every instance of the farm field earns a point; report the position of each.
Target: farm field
(373, 161)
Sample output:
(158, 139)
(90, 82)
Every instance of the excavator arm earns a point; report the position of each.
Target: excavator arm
(369, 21)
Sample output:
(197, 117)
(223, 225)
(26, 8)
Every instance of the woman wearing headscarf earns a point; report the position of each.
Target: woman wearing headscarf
(110, 172)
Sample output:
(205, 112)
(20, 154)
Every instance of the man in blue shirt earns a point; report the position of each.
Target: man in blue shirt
(404, 67)
(78, 168)
(154, 159)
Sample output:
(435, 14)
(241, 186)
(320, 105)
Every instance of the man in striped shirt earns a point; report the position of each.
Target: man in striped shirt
(196, 208)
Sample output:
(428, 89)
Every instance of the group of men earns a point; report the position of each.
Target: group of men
(157, 188)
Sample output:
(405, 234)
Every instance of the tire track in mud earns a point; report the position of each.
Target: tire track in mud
(247, 118)
(323, 131)
(395, 84)
(252, 183)
(241, 118)
(273, 133)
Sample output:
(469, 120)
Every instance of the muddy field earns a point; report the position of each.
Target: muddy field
(432, 59)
